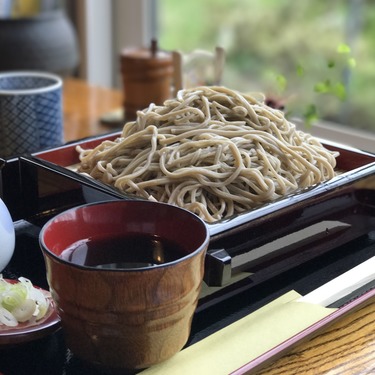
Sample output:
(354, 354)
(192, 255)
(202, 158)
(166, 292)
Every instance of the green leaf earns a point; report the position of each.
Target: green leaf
(300, 70)
(310, 114)
(331, 64)
(339, 91)
(281, 82)
(323, 87)
(343, 48)
(351, 62)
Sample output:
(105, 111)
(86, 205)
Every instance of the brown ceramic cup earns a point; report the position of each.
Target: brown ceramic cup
(125, 318)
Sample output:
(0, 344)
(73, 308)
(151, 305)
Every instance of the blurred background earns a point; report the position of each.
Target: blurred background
(316, 57)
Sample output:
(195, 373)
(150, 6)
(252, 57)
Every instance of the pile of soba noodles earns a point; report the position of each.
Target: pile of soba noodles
(211, 150)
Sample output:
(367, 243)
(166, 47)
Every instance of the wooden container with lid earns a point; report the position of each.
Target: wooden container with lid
(147, 78)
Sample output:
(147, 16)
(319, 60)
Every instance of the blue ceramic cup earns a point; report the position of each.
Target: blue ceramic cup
(30, 112)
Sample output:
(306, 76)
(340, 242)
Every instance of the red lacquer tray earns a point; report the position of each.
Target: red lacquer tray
(352, 163)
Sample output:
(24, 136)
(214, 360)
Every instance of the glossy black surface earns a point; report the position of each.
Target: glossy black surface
(301, 265)
(50, 356)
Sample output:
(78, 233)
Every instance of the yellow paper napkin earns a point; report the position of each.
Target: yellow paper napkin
(241, 342)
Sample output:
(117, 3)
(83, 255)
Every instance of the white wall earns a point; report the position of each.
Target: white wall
(105, 27)
(130, 29)
(94, 20)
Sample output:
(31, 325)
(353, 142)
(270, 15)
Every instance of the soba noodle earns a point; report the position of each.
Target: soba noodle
(211, 150)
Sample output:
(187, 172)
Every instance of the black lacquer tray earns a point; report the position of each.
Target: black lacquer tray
(297, 243)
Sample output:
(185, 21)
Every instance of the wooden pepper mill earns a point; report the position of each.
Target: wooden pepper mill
(147, 78)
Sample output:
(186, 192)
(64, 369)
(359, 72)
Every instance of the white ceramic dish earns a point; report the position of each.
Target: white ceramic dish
(7, 236)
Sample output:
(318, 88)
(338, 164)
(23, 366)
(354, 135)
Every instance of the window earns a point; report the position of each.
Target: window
(287, 49)
(269, 44)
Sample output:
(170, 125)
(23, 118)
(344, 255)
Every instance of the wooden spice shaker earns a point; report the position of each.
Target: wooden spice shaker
(147, 78)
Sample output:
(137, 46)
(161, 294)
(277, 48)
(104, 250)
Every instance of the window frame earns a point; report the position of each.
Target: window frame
(106, 27)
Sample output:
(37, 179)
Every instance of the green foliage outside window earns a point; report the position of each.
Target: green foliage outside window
(317, 56)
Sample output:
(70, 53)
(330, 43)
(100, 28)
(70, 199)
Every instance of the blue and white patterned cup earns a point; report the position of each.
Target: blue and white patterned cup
(30, 112)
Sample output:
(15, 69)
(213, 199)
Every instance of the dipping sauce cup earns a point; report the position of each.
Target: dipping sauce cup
(125, 277)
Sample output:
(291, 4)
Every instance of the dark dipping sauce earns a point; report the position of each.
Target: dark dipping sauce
(125, 251)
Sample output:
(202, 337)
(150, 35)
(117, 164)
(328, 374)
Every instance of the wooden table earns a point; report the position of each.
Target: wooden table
(83, 107)
(347, 347)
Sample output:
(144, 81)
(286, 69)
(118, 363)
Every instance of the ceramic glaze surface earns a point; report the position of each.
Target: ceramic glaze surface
(30, 112)
(7, 236)
(43, 40)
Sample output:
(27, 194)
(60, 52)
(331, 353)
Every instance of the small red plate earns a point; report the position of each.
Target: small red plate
(30, 331)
